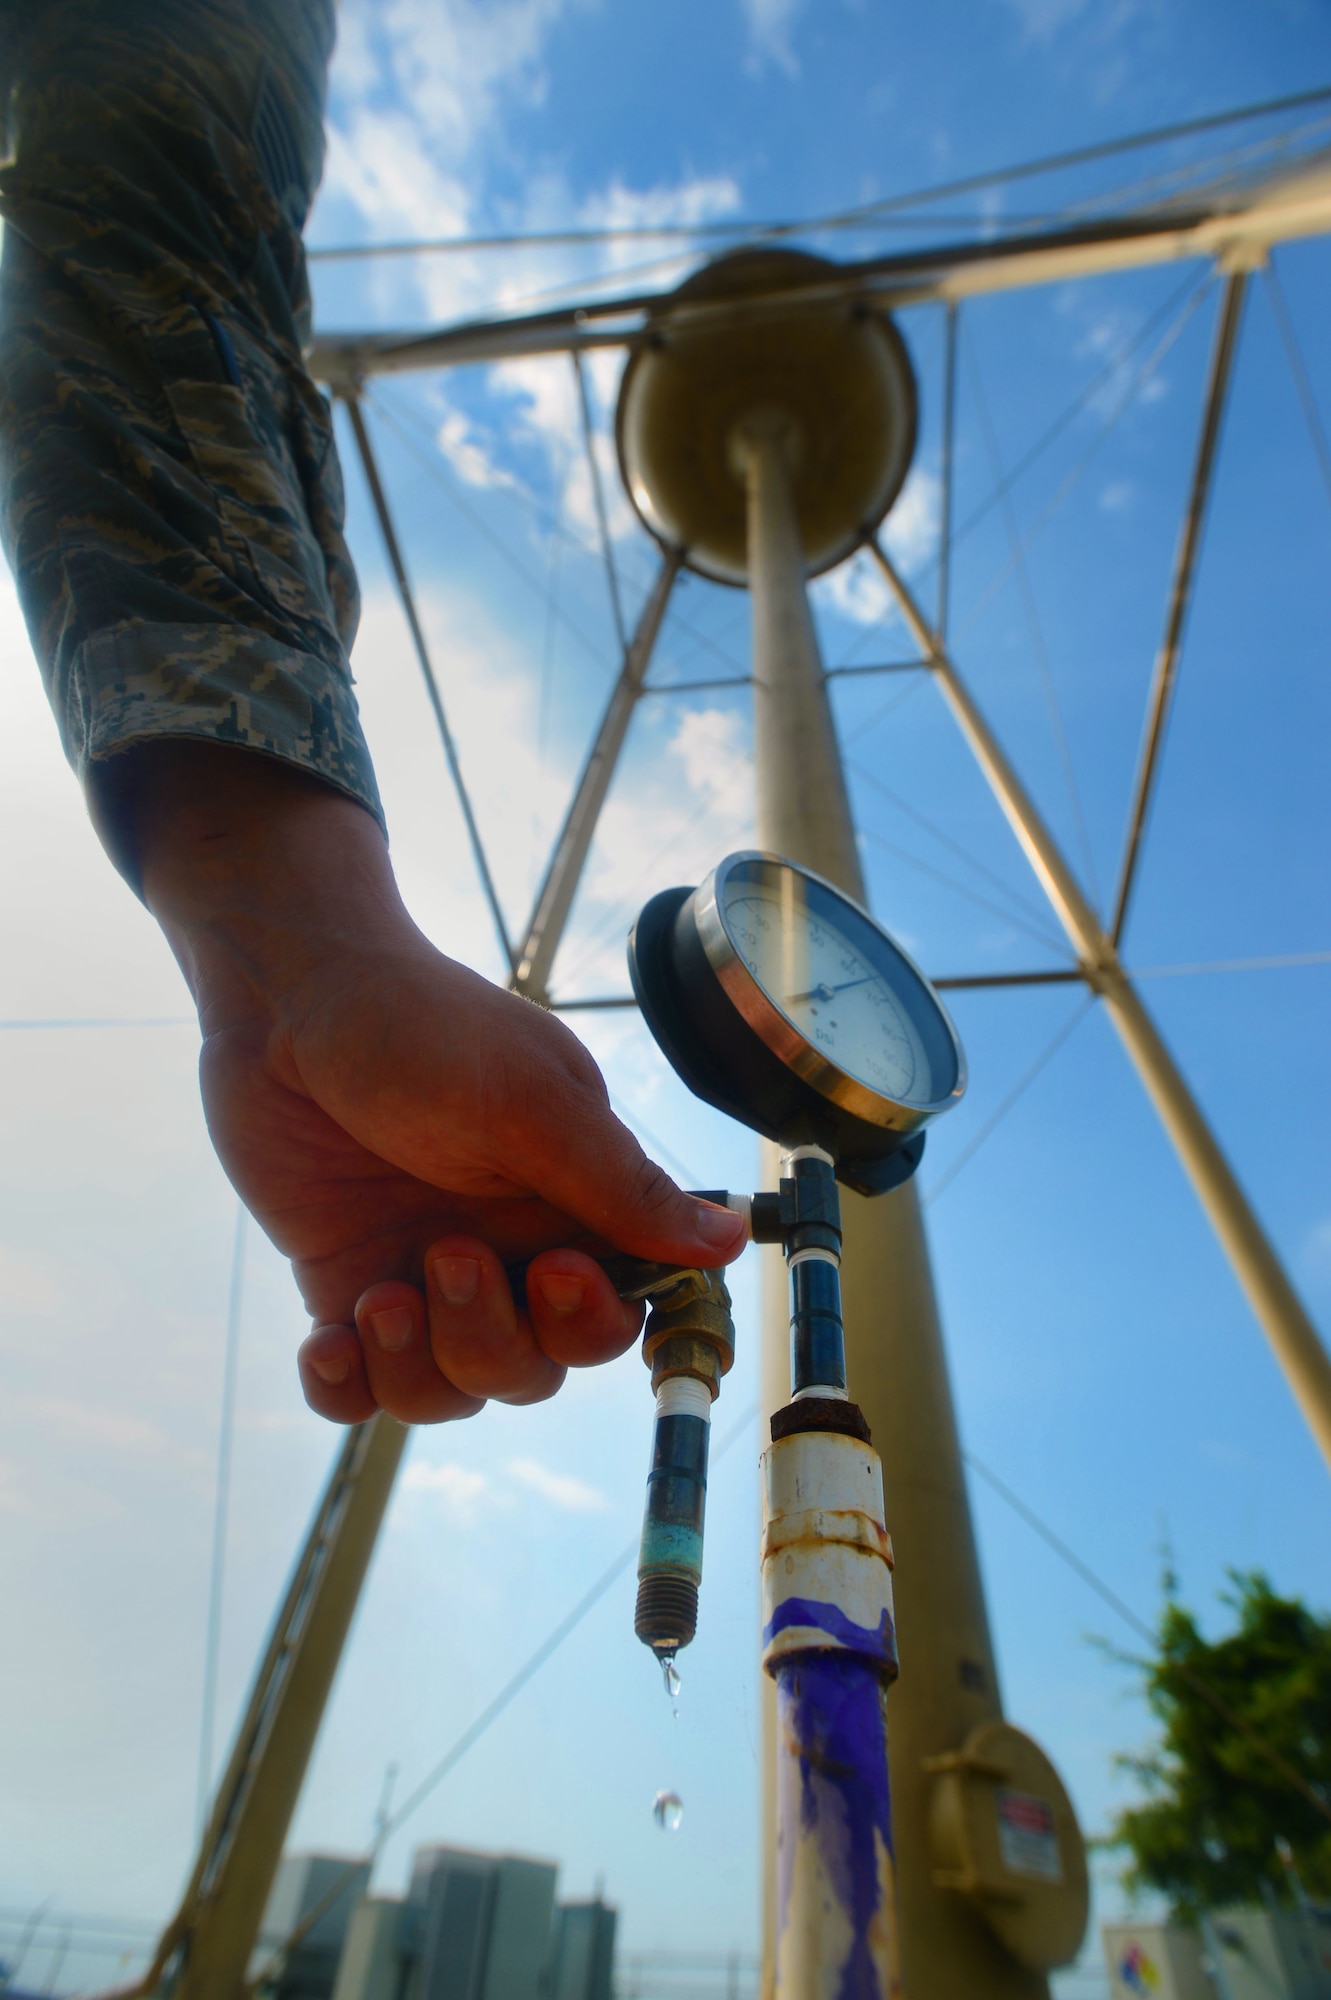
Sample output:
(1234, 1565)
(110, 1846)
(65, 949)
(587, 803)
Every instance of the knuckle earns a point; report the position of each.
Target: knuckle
(652, 1190)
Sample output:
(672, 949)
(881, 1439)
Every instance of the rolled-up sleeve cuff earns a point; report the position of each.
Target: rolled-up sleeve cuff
(139, 683)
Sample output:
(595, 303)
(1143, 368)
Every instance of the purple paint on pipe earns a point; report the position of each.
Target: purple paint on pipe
(833, 1755)
(875, 1642)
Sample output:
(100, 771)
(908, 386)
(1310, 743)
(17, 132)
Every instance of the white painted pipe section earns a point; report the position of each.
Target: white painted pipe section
(824, 1544)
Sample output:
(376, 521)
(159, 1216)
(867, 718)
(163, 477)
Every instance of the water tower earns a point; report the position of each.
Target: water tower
(765, 425)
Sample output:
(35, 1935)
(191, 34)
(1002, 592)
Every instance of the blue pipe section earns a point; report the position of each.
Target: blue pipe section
(817, 1338)
(833, 1790)
(672, 1527)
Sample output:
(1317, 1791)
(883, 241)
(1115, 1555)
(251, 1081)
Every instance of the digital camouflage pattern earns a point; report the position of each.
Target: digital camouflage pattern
(170, 497)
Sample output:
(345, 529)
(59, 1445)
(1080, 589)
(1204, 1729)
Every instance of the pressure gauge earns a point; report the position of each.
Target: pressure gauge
(778, 999)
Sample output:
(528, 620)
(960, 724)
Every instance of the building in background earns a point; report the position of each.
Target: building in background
(479, 1925)
(475, 1927)
(374, 1965)
(326, 1888)
(582, 1955)
(1245, 1953)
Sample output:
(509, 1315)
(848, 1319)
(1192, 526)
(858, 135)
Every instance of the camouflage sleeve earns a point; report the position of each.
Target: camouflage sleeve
(170, 496)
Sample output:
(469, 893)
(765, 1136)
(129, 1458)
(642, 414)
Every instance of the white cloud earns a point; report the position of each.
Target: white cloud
(27, 1289)
(561, 1489)
(117, 1430)
(452, 64)
(1042, 20)
(1101, 330)
(417, 93)
(542, 392)
(416, 108)
(686, 789)
(1317, 1249)
(709, 744)
(1103, 327)
(696, 804)
(856, 590)
(456, 1486)
(911, 529)
(376, 160)
(706, 198)
(544, 395)
(461, 1490)
(770, 24)
(1096, 41)
(471, 454)
(15, 1497)
(546, 414)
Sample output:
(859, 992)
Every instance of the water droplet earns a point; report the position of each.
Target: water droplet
(671, 1675)
(668, 1811)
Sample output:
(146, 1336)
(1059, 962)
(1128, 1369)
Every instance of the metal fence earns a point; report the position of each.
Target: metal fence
(692, 1975)
(686, 1975)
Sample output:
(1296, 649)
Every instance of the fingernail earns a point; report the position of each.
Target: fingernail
(393, 1328)
(331, 1368)
(563, 1294)
(720, 1227)
(457, 1279)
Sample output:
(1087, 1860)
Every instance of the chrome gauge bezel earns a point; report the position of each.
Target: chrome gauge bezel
(775, 1029)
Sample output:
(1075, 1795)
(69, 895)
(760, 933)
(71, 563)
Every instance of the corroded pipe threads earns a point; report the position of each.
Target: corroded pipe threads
(666, 1616)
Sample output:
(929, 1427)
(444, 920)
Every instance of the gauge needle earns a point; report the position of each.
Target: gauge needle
(826, 992)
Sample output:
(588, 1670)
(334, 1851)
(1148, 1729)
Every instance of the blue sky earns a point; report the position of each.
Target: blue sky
(1105, 1364)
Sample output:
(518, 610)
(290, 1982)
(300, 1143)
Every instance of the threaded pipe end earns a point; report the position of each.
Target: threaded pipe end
(666, 1617)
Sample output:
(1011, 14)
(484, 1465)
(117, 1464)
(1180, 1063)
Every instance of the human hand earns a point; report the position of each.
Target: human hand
(398, 1126)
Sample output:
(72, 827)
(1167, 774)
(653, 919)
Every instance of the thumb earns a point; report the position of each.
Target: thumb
(624, 1196)
(586, 1162)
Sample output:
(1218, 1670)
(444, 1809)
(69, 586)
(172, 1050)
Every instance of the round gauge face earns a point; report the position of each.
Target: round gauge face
(850, 993)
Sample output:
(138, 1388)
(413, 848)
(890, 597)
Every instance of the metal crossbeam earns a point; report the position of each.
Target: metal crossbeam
(852, 668)
(1180, 593)
(700, 687)
(969, 982)
(1222, 225)
(399, 569)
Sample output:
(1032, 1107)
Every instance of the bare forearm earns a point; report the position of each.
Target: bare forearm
(255, 872)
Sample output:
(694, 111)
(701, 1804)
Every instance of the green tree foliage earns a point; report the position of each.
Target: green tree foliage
(1216, 1804)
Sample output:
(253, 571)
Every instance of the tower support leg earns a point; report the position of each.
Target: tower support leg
(554, 899)
(894, 1349)
(1279, 1310)
(205, 1951)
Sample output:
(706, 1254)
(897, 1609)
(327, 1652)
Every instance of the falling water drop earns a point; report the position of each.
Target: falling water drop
(668, 1811)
